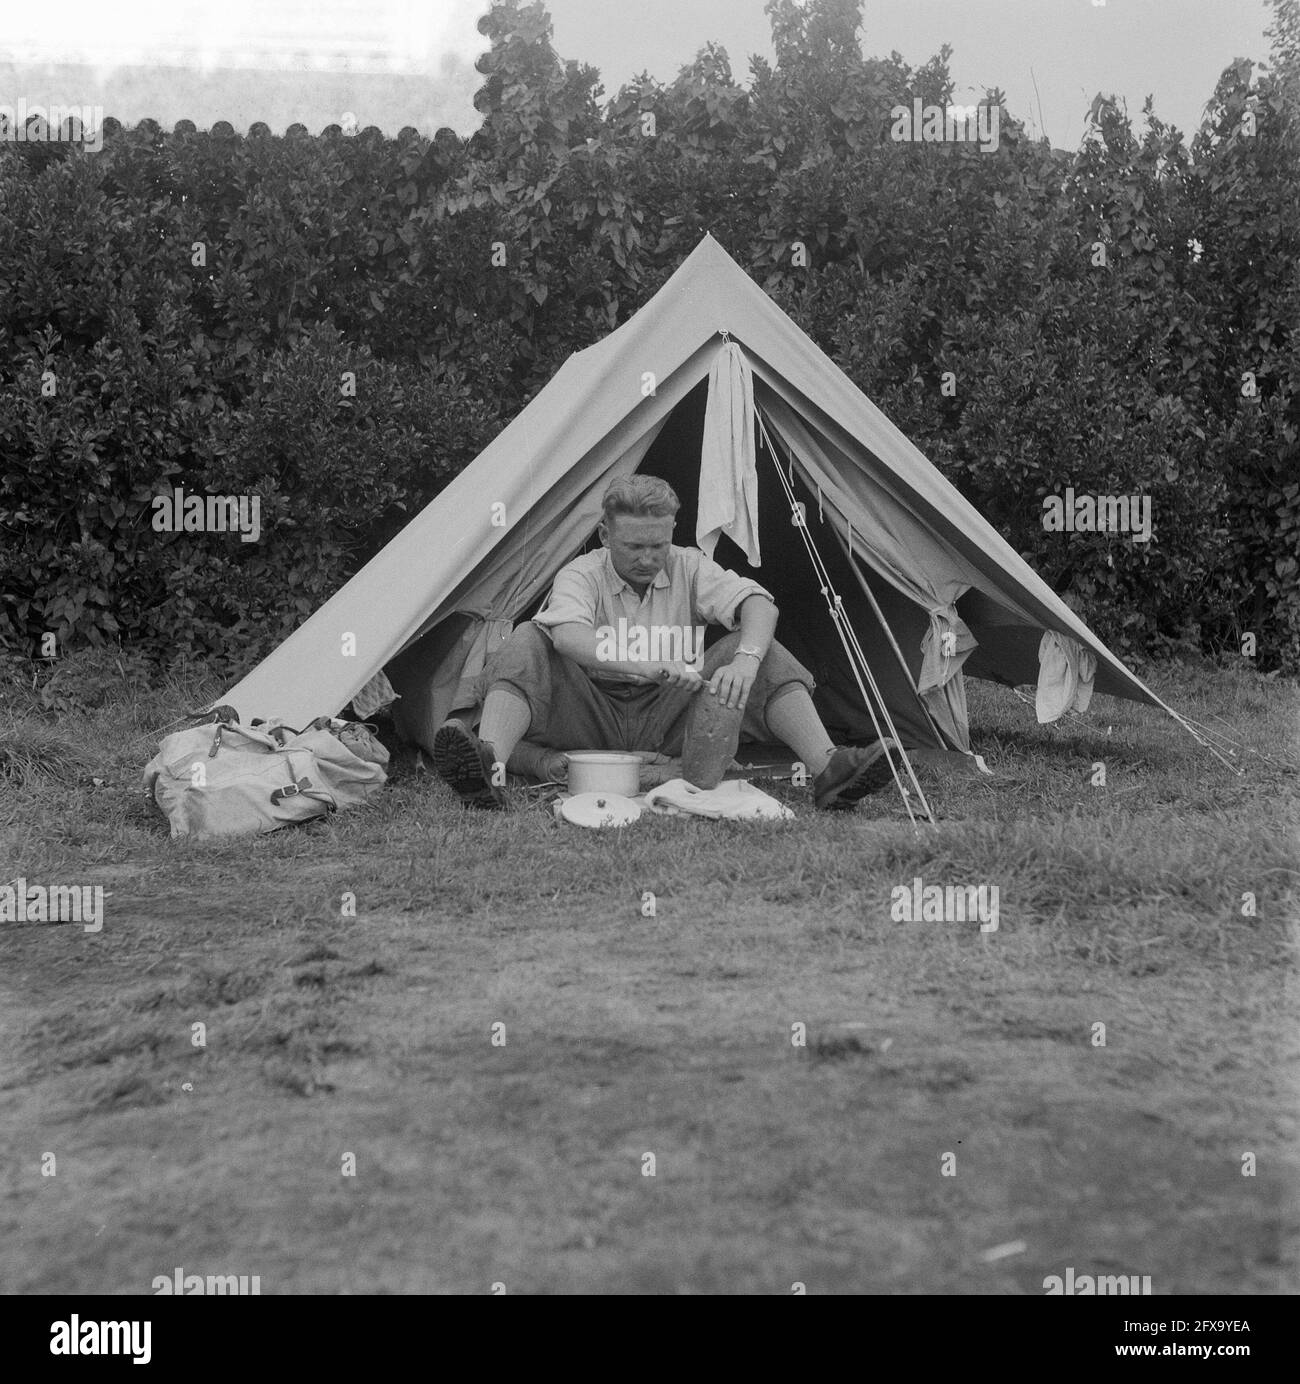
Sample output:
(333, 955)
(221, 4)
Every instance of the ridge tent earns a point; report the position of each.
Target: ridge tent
(711, 386)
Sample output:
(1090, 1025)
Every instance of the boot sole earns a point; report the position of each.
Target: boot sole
(461, 761)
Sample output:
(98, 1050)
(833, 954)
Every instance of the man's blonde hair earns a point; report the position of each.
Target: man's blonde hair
(642, 496)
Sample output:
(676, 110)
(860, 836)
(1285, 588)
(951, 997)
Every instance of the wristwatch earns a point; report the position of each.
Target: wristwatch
(753, 653)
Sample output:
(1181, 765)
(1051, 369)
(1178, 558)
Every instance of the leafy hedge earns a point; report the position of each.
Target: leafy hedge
(181, 309)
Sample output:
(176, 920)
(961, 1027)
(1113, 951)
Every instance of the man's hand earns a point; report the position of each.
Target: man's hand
(678, 675)
(556, 767)
(733, 683)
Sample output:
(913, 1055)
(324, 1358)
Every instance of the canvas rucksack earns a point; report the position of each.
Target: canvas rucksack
(224, 779)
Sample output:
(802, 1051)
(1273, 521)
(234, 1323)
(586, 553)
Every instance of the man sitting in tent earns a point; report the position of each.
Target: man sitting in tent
(565, 679)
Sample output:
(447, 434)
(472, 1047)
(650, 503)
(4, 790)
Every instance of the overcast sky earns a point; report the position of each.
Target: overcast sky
(394, 62)
(1172, 49)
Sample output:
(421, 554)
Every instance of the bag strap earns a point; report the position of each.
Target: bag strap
(224, 725)
(282, 733)
(302, 788)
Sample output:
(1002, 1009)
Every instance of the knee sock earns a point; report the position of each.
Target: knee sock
(793, 719)
(506, 718)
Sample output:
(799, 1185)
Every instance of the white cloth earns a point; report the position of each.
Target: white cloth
(374, 696)
(1065, 676)
(734, 799)
(728, 500)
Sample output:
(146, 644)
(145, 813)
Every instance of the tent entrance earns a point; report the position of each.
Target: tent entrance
(805, 627)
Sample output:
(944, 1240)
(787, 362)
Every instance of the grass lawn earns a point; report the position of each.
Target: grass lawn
(671, 1035)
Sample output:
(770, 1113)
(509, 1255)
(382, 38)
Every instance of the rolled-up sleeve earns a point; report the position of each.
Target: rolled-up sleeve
(720, 593)
(572, 601)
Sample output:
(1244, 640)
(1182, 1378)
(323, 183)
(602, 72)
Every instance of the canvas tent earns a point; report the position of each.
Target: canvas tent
(712, 387)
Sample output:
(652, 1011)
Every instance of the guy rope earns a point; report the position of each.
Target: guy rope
(861, 669)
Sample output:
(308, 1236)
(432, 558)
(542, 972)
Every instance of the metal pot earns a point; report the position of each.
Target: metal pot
(604, 771)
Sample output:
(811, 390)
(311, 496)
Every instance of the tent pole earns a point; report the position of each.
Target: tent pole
(884, 710)
(862, 658)
(893, 643)
(854, 653)
(858, 663)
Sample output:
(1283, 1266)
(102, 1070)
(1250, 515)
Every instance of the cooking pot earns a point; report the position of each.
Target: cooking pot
(604, 771)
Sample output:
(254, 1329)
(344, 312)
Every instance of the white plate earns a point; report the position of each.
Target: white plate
(599, 810)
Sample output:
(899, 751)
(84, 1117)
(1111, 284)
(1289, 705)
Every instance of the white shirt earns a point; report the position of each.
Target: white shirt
(690, 590)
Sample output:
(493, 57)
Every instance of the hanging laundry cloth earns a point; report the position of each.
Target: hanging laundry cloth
(728, 499)
(1065, 676)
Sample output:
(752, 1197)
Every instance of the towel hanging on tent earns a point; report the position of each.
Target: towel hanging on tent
(728, 500)
(1065, 676)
